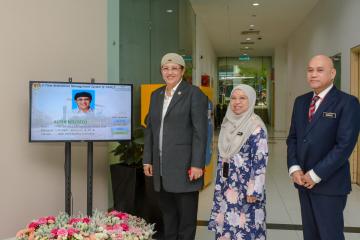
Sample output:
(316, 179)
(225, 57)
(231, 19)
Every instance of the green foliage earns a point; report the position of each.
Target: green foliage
(130, 153)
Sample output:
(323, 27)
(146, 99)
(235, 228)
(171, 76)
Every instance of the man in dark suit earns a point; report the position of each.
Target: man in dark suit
(323, 132)
(174, 153)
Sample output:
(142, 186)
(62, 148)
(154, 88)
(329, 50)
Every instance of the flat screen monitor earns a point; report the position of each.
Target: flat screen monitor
(63, 111)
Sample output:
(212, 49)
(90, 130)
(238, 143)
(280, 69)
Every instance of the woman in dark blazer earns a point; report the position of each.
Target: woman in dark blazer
(175, 142)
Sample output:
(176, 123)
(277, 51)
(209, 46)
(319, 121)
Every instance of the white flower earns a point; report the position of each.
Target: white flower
(259, 183)
(233, 218)
(238, 160)
(262, 146)
(259, 216)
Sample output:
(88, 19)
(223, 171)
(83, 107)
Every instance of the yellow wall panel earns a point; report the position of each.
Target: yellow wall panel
(145, 91)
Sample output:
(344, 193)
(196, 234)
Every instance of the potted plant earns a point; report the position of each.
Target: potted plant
(132, 191)
(104, 226)
(126, 172)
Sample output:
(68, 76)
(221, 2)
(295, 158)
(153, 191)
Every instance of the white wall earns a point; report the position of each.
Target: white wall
(332, 27)
(45, 40)
(208, 63)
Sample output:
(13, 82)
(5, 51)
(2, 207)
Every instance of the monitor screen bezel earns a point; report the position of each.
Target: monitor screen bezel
(81, 140)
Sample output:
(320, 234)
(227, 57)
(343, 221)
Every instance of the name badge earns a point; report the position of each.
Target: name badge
(329, 114)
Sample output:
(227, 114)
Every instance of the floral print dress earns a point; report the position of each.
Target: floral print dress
(232, 218)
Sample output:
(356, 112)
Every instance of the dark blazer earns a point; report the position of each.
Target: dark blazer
(326, 143)
(184, 138)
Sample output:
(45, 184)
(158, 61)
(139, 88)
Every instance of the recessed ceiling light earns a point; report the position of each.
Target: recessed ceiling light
(252, 25)
(169, 10)
(256, 4)
(248, 39)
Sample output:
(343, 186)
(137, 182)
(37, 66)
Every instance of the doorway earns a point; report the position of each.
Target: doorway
(355, 90)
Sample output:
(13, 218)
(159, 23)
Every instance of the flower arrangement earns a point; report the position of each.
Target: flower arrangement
(101, 226)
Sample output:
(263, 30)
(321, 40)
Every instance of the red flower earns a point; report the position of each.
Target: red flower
(74, 220)
(33, 225)
(122, 216)
(86, 220)
(50, 219)
(54, 232)
(72, 231)
(124, 226)
(42, 220)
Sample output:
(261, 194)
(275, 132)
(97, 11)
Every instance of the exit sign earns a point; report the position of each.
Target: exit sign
(244, 58)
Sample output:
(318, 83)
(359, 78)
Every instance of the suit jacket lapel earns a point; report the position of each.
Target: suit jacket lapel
(160, 103)
(179, 94)
(327, 101)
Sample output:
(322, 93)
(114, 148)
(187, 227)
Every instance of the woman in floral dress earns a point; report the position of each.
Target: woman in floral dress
(239, 199)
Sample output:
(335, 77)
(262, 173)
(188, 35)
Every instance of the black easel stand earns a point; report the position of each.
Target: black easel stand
(90, 169)
(68, 178)
(90, 154)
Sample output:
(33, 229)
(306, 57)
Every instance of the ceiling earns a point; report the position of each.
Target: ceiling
(224, 20)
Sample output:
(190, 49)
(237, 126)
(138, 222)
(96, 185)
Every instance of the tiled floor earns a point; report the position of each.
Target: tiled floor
(282, 199)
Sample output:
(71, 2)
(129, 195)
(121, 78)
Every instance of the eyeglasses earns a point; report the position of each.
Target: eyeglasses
(174, 69)
(80, 99)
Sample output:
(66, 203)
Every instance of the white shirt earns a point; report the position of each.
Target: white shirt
(294, 168)
(167, 100)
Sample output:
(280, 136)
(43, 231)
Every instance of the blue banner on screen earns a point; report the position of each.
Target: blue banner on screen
(61, 111)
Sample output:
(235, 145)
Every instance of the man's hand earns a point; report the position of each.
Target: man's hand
(148, 170)
(297, 177)
(195, 173)
(308, 182)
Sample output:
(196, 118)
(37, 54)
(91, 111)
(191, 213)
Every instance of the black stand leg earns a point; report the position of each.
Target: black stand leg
(68, 178)
(90, 178)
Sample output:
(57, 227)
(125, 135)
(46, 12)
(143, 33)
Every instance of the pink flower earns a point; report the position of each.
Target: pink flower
(116, 226)
(42, 220)
(50, 219)
(124, 226)
(231, 196)
(137, 231)
(72, 231)
(242, 220)
(120, 215)
(220, 219)
(33, 225)
(54, 232)
(81, 220)
(74, 220)
(86, 220)
(250, 187)
(62, 232)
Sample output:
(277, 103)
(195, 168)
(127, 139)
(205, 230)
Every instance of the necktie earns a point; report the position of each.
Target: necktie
(312, 107)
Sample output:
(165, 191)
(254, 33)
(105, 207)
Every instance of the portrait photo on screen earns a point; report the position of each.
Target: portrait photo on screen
(83, 101)
(61, 111)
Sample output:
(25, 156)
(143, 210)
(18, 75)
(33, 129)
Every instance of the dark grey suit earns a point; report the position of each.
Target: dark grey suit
(184, 137)
(183, 146)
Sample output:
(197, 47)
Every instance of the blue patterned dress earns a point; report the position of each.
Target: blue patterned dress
(232, 218)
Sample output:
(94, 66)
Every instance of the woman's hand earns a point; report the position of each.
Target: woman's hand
(195, 173)
(251, 199)
(148, 171)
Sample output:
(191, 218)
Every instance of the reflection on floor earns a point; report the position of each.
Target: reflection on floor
(282, 199)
